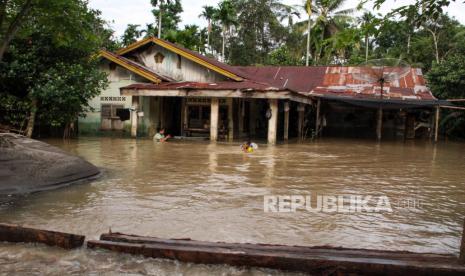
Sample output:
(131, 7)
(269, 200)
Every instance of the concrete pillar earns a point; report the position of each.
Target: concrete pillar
(135, 109)
(286, 120)
(214, 113)
(273, 122)
(230, 119)
(300, 125)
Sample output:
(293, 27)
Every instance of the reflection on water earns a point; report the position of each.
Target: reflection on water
(215, 192)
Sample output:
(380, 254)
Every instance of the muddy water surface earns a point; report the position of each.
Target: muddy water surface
(215, 192)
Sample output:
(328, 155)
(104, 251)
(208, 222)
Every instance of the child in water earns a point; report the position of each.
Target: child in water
(249, 147)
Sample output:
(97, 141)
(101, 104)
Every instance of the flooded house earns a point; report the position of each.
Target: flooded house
(156, 84)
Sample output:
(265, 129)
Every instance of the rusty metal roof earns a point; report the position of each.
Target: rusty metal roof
(311, 81)
(295, 78)
(245, 85)
(340, 81)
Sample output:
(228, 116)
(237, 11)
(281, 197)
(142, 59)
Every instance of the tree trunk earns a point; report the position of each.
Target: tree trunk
(32, 118)
(309, 28)
(14, 27)
(366, 48)
(224, 42)
(436, 47)
(159, 22)
(408, 43)
(208, 35)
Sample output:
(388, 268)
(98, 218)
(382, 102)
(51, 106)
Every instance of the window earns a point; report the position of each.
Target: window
(108, 111)
(159, 57)
(179, 62)
(112, 66)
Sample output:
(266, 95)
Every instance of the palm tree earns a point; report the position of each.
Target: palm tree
(284, 12)
(160, 4)
(330, 16)
(368, 27)
(225, 14)
(208, 13)
(308, 10)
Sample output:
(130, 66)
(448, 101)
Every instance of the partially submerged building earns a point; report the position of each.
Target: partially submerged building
(156, 84)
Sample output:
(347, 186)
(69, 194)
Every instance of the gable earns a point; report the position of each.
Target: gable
(190, 56)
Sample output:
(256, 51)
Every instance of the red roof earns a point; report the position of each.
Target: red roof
(295, 78)
(245, 85)
(340, 81)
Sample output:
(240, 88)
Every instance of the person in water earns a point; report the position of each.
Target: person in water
(160, 136)
(249, 147)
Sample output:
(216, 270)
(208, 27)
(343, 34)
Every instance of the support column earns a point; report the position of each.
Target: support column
(286, 120)
(273, 122)
(185, 116)
(318, 120)
(135, 110)
(379, 124)
(436, 124)
(241, 118)
(300, 125)
(214, 112)
(230, 119)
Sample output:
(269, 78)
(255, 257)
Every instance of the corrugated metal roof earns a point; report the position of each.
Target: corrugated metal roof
(245, 85)
(340, 81)
(295, 78)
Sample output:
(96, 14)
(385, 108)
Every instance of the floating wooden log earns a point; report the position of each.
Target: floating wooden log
(294, 258)
(16, 233)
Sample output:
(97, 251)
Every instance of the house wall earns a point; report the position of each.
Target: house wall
(189, 71)
(118, 77)
(93, 124)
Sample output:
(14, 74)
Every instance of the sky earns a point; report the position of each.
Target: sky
(120, 13)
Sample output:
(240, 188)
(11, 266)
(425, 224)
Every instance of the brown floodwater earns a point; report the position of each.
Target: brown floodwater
(214, 192)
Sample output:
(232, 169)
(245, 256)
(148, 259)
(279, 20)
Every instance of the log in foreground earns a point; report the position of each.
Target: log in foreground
(15, 233)
(294, 258)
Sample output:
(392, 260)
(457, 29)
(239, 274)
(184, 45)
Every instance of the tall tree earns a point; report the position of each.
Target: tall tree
(167, 12)
(329, 18)
(368, 23)
(48, 68)
(131, 34)
(208, 13)
(308, 10)
(226, 16)
(13, 13)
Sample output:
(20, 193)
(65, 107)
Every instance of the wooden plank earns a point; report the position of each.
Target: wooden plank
(16, 233)
(296, 258)
(317, 122)
(296, 97)
(453, 107)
